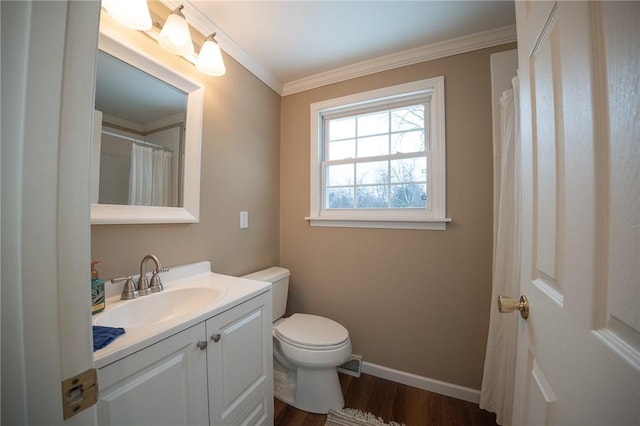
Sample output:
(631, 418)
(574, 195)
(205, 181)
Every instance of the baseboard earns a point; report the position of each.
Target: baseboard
(432, 385)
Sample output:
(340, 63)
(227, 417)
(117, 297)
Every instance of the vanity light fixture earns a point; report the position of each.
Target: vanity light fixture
(131, 13)
(210, 59)
(175, 36)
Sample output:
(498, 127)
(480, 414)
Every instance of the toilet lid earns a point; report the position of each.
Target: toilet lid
(312, 331)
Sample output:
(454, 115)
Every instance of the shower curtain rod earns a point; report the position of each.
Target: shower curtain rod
(136, 141)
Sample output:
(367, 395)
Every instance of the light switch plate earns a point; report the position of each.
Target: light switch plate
(244, 220)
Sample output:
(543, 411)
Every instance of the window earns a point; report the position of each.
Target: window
(378, 158)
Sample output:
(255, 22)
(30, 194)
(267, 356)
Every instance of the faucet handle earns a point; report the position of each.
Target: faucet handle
(156, 285)
(128, 290)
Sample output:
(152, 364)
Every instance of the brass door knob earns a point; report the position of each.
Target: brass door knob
(507, 304)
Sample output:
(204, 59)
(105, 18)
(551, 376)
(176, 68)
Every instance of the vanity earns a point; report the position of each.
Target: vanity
(197, 353)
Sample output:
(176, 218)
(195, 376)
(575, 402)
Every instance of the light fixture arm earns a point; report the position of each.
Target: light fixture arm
(178, 11)
(210, 37)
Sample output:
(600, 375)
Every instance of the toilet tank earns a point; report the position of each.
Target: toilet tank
(279, 278)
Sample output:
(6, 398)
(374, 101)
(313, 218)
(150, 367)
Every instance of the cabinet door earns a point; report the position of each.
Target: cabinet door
(164, 384)
(239, 359)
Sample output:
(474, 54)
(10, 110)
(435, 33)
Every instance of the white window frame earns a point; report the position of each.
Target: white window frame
(431, 91)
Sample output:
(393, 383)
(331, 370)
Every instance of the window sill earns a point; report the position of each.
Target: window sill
(435, 224)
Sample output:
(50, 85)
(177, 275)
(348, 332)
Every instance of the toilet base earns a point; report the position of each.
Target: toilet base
(284, 383)
(318, 390)
(308, 389)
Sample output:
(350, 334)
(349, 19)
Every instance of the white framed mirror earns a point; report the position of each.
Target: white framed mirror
(181, 200)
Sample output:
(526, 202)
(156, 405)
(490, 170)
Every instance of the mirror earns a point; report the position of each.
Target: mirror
(141, 139)
(147, 140)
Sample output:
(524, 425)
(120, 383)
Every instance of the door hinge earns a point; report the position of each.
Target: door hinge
(79, 392)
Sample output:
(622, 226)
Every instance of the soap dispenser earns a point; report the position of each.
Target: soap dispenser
(97, 290)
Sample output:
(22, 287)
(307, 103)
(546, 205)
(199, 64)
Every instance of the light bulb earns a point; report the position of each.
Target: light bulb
(131, 13)
(210, 59)
(175, 36)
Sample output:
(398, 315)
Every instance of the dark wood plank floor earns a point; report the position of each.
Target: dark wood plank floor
(392, 401)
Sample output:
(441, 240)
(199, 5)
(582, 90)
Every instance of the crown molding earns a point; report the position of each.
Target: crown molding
(430, 52)
(206, 26)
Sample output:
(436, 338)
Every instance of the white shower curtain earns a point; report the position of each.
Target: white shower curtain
(150, 177)
(161, 195)
(496, 393)
(141, 176)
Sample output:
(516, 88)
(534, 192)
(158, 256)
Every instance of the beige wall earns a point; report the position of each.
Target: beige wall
(240, 171)
(416, 301)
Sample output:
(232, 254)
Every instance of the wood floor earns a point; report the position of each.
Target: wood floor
(392, 401)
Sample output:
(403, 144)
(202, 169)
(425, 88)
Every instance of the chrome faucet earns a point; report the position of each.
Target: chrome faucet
(144, 287)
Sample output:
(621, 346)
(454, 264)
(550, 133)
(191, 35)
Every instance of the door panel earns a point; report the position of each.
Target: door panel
(578, 357)
(544, 64)
(620, 324)
(541, 399)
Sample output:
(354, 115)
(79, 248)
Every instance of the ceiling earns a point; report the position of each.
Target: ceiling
(304, 43)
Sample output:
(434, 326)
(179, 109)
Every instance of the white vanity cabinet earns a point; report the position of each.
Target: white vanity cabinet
(240, 362)
(163, 384)
(217, 372)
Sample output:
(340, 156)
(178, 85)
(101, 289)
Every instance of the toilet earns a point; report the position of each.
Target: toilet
(307, 349)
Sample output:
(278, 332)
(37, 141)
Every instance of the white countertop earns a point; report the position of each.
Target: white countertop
(233, 291)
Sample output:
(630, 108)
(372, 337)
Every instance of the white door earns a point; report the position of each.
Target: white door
(48, 69)
(578, 359)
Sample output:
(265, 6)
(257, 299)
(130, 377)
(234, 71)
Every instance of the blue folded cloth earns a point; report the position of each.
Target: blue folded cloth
(102, 336)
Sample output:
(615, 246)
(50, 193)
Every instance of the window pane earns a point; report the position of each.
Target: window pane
(342, 128)
(380, 158)
(372, 173)
(373, 146)
(373, 124)
(409, 170)
(342, 149)
(409, 118)
(409, 195)
(339, 175)
(405, 142)
(369, 197)
(339, 198)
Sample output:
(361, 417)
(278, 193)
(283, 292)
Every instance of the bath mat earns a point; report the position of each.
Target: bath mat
(354, 417)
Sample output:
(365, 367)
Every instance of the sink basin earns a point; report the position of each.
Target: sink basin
(159, 307)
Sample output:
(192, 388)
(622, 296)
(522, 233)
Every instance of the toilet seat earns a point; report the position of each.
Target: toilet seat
(311, 332)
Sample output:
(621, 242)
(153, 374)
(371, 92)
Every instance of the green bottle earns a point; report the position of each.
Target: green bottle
(97, 290)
